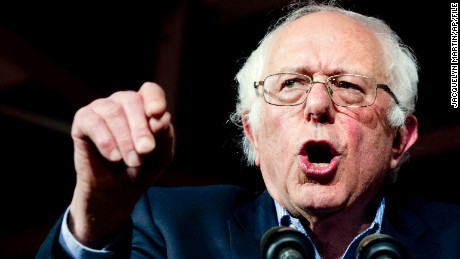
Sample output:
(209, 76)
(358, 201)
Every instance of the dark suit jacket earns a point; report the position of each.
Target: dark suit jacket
(229, 222)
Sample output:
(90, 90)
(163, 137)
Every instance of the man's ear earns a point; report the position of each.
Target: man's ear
(404, 139)
(248, 131)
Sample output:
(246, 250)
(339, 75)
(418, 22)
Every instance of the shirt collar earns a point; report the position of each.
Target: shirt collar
(285, 219)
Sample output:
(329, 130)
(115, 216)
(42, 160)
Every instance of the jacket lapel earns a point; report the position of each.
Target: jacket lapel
(409, 228)
(249, 224)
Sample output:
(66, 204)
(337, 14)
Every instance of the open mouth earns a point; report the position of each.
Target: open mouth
(319, 154)
(319, 160)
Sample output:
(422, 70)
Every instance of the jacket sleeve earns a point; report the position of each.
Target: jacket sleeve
(52, 248)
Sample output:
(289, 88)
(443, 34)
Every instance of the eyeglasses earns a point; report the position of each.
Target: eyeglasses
(347, 90)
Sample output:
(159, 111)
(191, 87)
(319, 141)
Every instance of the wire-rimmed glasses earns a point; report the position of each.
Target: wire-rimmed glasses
(347, 90)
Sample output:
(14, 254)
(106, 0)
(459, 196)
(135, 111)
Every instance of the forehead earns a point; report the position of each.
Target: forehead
(328, 43)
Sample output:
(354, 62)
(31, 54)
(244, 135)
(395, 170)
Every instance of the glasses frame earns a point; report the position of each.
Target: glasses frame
(384, 87)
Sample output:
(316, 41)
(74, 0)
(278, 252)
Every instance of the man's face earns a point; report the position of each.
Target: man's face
(318, 157)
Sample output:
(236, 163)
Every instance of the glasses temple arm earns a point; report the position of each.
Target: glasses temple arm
(388, 90)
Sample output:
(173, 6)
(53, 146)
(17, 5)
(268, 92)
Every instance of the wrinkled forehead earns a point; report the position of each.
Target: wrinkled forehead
(329, 43)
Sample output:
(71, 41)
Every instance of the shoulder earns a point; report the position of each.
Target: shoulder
(180, 190)
(439, 215)
(430, 208)
(174, 208)
(438, 212)
(206, 193)
(209, 198)
(425, 226)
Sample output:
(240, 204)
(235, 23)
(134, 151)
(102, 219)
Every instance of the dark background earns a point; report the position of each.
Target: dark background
(55, 58)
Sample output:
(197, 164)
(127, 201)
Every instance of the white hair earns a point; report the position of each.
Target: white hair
(401, 69)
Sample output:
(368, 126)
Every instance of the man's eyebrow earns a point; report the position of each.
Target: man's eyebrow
(308, 71)
(299, 70)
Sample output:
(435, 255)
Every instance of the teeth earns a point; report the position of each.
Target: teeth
(321, 164)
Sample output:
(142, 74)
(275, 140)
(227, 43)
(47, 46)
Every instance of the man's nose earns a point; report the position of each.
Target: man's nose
(319, 106)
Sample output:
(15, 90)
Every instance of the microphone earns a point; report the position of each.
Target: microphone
(282, 242)
(380, 246)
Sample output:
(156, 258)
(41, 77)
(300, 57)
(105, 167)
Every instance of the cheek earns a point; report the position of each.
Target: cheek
(355, 139)
(272, 136)
(278, 122)
(275, 136)
(364, 166)
(366, 124)
(368, 140)
(353, 126)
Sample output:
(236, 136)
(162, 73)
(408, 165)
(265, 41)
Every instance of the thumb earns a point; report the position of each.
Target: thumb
(163, 131)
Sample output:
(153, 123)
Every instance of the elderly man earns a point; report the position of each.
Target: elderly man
(326, 104)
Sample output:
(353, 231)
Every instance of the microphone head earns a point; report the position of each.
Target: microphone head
(285, 242)
(379, 246)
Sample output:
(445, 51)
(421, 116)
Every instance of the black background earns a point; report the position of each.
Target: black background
(114, 47)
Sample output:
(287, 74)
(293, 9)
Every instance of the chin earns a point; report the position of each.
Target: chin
(319, 197)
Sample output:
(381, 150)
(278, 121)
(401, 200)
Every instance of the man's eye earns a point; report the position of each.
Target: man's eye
(289, 83)
(292, 83)
(344, 84)
(348, 85)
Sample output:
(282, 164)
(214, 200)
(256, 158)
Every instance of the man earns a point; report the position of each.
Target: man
(326, 104)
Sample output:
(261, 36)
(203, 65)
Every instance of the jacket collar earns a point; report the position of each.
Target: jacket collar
(249, 224)
(409, 228)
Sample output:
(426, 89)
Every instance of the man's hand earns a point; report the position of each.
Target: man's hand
(122, 144)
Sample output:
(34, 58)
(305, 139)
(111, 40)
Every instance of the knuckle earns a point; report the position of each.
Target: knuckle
(105, 144)
(124, 96)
